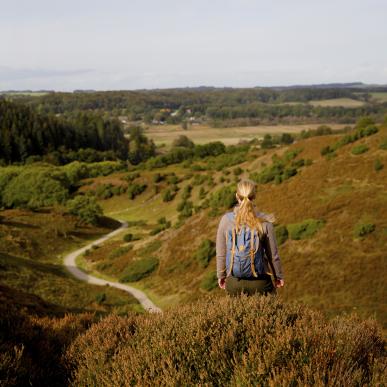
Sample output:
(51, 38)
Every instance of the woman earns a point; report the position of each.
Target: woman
(246, 249)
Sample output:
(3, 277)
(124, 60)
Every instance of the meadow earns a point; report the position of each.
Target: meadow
(200, 133)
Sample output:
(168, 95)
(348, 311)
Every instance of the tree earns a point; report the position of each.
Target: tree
(140, 147)
(183, 141)
(86, 208)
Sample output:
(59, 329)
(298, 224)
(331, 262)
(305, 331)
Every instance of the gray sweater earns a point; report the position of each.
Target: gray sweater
(267, 243)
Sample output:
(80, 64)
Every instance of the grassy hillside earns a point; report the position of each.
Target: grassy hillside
(32, 245)
(339, 197)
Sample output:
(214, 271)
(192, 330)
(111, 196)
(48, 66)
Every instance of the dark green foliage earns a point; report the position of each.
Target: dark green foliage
(286, 138)
(186, 192)
(211, 149)
(162, 224)
(25, 133)
(157, 177)
(304, 229)
(135, 190)
(139, 269)
(378, 165)
(230, 341)
(119, 251)
(383, 144)
(364, 122)
(362, 229)
(132, 176)
(185, 209)
(223, 198)
(202, 193)
(205, 252)
(281, 234)
(100, 298)
(104, 191)
(86, 208)
(140, 147)
(128, 237)
(267, 142)
(33, 187)
(209, 281)
(359, 149)
(168, 196)
(183, 141)
(292, 154)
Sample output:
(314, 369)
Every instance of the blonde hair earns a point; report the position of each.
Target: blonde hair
(246, 214)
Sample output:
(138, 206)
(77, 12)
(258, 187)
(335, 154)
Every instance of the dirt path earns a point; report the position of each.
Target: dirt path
(69, 262)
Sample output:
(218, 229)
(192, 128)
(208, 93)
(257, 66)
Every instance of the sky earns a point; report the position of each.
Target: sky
(145, 44)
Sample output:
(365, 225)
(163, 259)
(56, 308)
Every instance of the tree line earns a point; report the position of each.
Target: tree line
(24, 132)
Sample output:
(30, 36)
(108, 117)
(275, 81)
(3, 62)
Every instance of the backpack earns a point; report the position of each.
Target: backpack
(244, 258)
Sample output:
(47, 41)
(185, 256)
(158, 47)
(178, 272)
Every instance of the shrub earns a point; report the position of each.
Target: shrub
(168, 196)
(183, 141)
(378, 165)
(135, 190)
(157, 177)
(282, 234)
(383, 144)
(362, 229)
(104, 191)
(359, 149)
(35, 187)
(100, 298)
(86, 208)
(223, 198)
(128, 237)
(304, 229)
(139, 269)
(205, 252)
(229, 341)
(119, 251)
(209, 281)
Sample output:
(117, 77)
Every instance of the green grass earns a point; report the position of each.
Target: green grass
(379, 96)
(342, 102)
(305, 229)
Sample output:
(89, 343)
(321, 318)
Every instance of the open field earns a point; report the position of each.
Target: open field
(336, 102)
(379, 97)
(200, 134)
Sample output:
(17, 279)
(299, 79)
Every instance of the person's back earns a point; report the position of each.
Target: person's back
(246, 249)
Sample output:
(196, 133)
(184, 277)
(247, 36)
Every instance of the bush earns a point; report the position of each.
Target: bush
(383, 144)
(378, 165)
(237, 171)
(205, 252)
(304, 229)
(34, 187)
(209, 281)
(229, 341)
(282, 234)
(359, 149)
(135, 190)
(168, 196)
(362, 229)
(139, 269)
(119, 251)
(128, 237)
(223, 198)
(86, 208)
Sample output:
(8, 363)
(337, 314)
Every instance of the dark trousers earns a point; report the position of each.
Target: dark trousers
(261, 285)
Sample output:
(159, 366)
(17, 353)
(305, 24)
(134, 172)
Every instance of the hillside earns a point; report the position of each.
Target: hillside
(340, 194)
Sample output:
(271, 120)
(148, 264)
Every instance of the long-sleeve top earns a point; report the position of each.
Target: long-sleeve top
(267, 242)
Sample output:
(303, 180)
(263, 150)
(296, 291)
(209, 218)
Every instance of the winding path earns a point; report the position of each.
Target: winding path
(69, 262)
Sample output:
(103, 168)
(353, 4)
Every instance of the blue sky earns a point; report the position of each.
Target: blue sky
(133, 44)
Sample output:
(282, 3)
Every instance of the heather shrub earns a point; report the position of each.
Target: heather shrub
(361, 229)
(241, 341)
(304, 229)
(209, 281)
(139, 269)
(128, 237)
(168, 196)
(223, 198)
(135, 190)
(119, 251)
(378, 165)
(205, 252)
(281, 234)
(359, 149)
